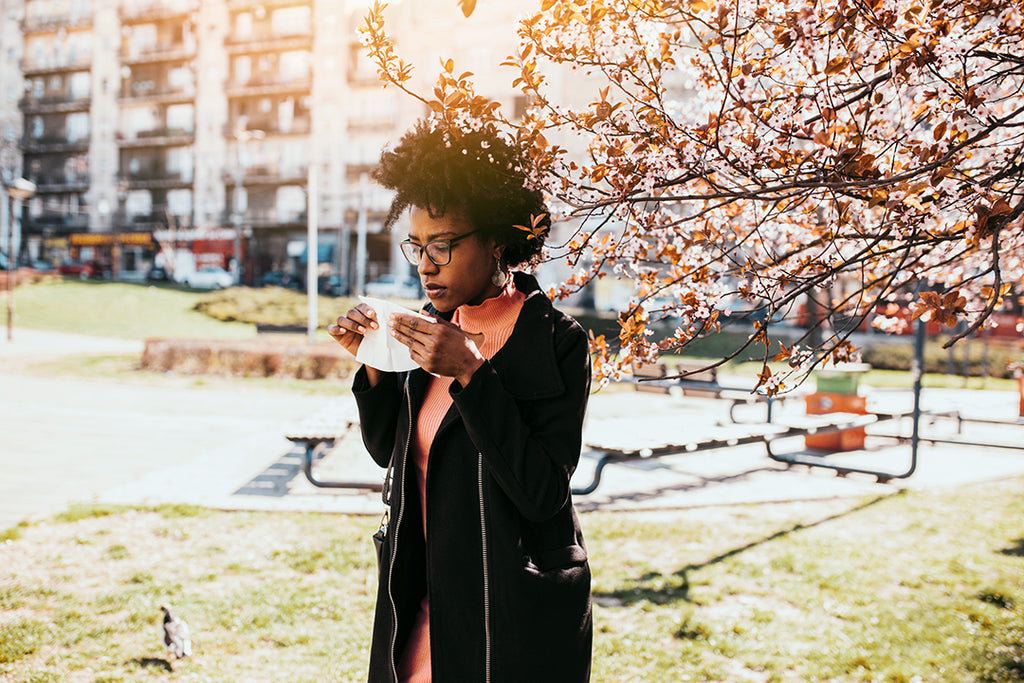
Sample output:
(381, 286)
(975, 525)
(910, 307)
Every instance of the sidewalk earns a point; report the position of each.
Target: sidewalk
(146, 443)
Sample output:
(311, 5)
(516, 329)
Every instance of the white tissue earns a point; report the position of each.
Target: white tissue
(379, 349)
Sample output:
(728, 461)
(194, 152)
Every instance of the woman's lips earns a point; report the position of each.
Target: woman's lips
(433, 291)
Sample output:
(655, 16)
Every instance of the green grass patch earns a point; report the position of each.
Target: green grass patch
(920, 586)
(79, 511)
(118, 309)
(20, 639)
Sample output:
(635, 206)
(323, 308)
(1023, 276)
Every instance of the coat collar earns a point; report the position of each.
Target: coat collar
(531, 345)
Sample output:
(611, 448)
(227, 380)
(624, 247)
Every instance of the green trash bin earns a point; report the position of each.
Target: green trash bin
(841, 379)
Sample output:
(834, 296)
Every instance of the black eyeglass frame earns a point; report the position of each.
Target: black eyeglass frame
(420, 250)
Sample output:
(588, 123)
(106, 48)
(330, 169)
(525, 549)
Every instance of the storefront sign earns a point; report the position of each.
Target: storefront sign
(99, 239)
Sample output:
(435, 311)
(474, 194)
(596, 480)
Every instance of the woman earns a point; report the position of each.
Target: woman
(484, 573)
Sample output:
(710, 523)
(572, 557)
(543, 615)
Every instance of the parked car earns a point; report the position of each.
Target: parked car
(80, 269)
(158, 274)
(280, 278)
(394, 286)
(210, 277)
(332, 285)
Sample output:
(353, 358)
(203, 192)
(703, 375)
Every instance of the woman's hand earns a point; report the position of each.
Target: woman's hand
(439, 347)
(348, 331)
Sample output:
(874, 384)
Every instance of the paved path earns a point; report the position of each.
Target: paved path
(67, 440)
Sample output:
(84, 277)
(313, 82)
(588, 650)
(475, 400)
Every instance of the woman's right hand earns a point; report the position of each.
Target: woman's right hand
(349, 329)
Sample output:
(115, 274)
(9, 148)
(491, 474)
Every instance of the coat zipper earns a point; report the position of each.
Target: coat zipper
(486, 574)
(394, 537)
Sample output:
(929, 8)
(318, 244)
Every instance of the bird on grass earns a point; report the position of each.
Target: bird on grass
(177, 636)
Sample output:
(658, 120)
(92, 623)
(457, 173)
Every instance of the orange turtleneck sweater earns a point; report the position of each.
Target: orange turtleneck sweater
(494, 318)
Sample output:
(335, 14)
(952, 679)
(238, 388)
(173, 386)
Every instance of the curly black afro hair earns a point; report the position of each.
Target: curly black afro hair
(477, 176)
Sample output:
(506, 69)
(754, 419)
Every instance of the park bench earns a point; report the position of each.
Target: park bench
(698, 381)
(317, 434)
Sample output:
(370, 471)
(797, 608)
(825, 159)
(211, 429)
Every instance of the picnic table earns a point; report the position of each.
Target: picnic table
(317, 434)
(627, 446)
(696, 380)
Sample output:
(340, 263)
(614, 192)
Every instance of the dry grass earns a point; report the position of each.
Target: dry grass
(922, 587)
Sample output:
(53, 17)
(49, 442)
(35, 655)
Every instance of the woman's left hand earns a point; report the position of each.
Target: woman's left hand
(439, 347)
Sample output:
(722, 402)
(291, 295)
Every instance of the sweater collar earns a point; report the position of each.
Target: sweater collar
(532, 339)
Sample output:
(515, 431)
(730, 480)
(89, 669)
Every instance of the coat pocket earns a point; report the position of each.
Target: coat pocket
(556, 558)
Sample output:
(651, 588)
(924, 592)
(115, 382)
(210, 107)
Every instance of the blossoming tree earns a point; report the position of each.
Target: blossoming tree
(842, 153)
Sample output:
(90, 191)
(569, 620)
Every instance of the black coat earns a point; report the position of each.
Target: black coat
(504, 561)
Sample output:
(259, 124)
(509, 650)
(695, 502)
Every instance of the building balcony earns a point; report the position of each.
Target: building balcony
(149, 10)
(270, 86)
(44, 67)
(54, 145)
(56, 104)
(268, 41)
(299, 126)
(270, 174)
(155, 95)
(272, 217)
(159, 53)
(60, 182)
(161, 137)
(158, 179)
(54, 22)
(53, 223)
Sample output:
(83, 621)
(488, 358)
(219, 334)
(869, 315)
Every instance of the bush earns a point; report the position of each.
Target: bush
(269, 306)
(899, 356)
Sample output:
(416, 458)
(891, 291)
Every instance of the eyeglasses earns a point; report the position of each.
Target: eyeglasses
(438, 251)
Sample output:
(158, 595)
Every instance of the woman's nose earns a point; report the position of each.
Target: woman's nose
(425, 266)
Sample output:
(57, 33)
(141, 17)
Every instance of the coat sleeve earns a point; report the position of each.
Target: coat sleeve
(379, 407)
(531, 447)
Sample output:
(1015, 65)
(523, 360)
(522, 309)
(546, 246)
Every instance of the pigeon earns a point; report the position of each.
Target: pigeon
(177, 636)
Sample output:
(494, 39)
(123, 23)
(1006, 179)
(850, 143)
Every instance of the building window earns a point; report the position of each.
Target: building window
(78, 126)
(291, 21)
(138, 203)
(79, 85)
(180, 119)
(243, 26)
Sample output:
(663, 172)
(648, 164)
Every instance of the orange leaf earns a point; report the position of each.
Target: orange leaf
(467, 6)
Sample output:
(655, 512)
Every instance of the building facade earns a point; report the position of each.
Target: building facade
(187, 133)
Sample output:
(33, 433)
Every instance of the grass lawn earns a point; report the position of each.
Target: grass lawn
(916, 586)
(118, 309)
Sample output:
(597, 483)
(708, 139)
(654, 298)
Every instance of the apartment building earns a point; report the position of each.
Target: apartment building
(185, 133)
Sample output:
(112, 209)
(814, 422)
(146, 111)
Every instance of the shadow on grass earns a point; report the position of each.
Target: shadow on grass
(650, 493)
(153, 662)
(662, 589)
(1015, 550)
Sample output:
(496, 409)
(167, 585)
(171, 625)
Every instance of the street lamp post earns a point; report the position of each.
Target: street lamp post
(21, 190)
(242, 136)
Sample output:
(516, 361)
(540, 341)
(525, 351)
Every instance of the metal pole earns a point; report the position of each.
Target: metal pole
(312, 253)
(21, 190)
(917, 371)
(11, 270)
(361, 235)
(236, 209)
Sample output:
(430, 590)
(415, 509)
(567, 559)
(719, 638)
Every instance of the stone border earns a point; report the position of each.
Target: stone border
(248, 358)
